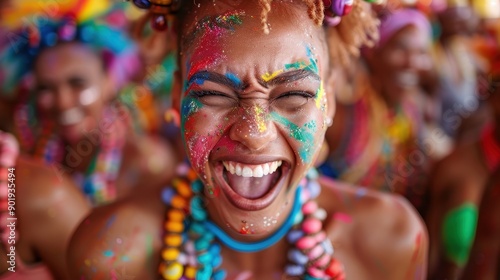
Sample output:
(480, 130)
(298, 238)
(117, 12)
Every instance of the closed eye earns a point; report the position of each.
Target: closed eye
(292, 100)
(214, 98)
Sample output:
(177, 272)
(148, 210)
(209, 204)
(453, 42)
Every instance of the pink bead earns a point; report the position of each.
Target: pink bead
(309, 207)
(311, 225)
(305, 243)
(316, 252)
(314, 272)
(320, 237)
(323, 261)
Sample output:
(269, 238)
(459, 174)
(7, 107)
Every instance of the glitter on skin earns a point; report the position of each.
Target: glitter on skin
(304, 135)
(260, 118)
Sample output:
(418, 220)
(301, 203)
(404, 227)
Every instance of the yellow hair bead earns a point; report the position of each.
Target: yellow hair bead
(175, 215)
(182, 188)
(190, 272)
(173, 271)
(173, 240)
(170, 254)
(176, 227)
(179, 202)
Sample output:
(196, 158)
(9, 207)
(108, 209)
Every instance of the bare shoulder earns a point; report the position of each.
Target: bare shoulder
(119, 240)
(42, 187)
(386, 227)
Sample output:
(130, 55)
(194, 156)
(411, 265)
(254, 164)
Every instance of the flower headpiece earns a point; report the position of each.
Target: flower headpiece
(104, 34)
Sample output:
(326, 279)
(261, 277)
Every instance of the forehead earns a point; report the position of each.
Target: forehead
(236, 35)
(409, 35)
(71, 57)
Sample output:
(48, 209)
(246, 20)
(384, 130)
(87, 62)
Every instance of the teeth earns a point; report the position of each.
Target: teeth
(252, 170)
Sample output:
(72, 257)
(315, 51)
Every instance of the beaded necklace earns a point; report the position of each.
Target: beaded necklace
(191, 241)
(490, 148)
(98, 181)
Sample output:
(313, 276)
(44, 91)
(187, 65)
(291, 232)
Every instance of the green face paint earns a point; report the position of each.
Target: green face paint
(304, 134)
(458, 231)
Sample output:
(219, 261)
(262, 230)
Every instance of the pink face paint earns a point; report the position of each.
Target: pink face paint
(343, 217)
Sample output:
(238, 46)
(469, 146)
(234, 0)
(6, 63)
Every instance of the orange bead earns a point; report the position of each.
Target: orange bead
(190, 272)
(175, 215)
(191, 175)
(173, 240)
(176, 227)
(170, 254)
(179, 202)
(183, 188)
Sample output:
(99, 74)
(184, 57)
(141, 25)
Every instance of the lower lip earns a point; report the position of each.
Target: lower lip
(250, 204)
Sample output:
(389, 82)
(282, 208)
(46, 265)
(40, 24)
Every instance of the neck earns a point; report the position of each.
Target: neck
(274, 256)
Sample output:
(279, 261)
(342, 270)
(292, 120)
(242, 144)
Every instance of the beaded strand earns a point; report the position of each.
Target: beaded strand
(191, 251)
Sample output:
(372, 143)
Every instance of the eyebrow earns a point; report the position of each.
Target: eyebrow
(202, 76)
(286, 77)
(290, 76)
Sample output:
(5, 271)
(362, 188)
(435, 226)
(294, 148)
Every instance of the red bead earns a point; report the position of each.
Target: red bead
(335, 270)
(159, 22)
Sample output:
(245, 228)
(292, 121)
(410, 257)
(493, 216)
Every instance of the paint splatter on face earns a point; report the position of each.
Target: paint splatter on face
(251, 117)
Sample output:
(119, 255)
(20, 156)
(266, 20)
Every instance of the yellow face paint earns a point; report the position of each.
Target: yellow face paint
(320, 96)
(260, 118)
(269, 76)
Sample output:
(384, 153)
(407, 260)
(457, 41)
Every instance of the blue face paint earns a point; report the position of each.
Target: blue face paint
(304, 135)
(234, 79)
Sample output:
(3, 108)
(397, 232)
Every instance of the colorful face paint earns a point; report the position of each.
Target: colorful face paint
(304, 134)
(458, 231)
(260, 118)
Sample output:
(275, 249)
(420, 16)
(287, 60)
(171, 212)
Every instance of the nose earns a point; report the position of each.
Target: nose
(64, 99)
(253, 128)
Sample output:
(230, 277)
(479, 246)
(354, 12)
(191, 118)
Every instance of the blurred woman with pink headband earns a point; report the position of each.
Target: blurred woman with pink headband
(375, 137)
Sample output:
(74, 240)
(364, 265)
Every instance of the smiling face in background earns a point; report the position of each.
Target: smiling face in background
(398, 63)
(71, 89)
(253, 109)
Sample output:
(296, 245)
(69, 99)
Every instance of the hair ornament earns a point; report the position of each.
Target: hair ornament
(161, 11)
(336, 9)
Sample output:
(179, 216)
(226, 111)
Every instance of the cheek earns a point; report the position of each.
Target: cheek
(45, 101)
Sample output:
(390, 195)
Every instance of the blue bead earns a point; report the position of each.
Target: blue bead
(216, 261)
(297, 257)
(294, 235)
(314, 188)
(214, 249)
(201, 245)
(219, 275)
(204, 273)
(197, 228)
(197, 211)
(312, 174)
(294, 270)
(204, 258)
(197, 186)
(167, 194)
(142, 4)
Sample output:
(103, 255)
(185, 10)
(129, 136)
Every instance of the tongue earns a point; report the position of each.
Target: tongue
(251, 187)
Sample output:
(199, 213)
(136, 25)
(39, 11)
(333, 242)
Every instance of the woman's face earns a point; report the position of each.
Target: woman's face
(71, 89)
(398, 63)
(253, 109)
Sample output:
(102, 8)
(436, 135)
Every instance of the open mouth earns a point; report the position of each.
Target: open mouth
(252, 186)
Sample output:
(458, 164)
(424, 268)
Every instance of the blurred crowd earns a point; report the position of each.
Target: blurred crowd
(417, 114)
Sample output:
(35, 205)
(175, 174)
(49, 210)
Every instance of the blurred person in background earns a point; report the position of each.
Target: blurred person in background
(459, 181)
(37, 228)
(66, 69)
(374, 139)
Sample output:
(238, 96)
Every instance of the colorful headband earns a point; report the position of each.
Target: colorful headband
(105, 36)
